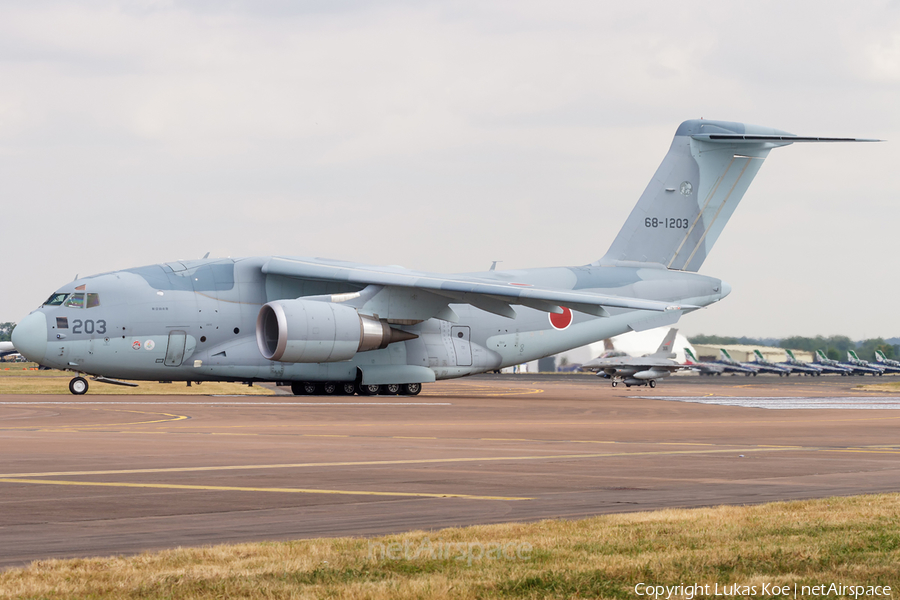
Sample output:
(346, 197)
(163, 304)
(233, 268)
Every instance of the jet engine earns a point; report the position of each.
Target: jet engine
(303, 331)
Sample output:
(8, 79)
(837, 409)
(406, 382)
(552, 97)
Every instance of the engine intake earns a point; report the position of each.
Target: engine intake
(303, 331)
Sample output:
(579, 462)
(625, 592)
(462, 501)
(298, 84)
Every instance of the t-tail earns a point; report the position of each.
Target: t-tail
(694, 192)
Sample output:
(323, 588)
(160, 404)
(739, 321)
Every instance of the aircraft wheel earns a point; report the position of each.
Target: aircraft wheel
(411, 389)
(652, 383)
(309, 388)
(628, 385)
(615, 383)
(78, 386)
(391, 389)
(369, 390)
(329, 389)
(347, 388)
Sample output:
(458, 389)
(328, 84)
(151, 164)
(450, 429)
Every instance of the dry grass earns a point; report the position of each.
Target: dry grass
(841, 540)
(24, 378)
(893, 386)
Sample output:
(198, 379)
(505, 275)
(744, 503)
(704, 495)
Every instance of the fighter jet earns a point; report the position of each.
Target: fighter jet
(704, 368)
(829, 365)
(765, 366)
(644, 370)
(328, 326)
(862, 367)
(889, 366)
(802, 367)
(7, 348)
(742, 367)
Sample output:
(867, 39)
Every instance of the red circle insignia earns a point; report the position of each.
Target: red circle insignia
(561, 320)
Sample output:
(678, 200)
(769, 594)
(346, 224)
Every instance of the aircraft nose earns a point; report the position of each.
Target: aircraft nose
(30, 337)
(725, 289)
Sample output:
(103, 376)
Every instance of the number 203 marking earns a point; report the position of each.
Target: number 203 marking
(88, 326)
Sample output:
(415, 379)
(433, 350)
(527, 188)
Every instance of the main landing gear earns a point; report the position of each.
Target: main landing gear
(348, 388)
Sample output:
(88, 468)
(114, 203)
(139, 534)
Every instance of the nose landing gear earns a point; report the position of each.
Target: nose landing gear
(78, 386)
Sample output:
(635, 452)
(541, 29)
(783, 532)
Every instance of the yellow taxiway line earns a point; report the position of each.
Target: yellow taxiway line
(225, 488)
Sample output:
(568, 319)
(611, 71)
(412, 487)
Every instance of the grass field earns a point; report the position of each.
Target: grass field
(893, 386)
(24, 378)
(846, 541)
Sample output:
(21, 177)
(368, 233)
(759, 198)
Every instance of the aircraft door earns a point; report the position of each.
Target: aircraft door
(175, 349)
(461, 345)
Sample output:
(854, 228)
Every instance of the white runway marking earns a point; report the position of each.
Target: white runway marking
(213, 403)
(783, 403)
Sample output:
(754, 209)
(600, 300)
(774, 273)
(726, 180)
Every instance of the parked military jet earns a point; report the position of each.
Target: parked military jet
(803, 367)
(743, 367)
(326, 326)
(643, 370)
(765, 366)
(889, 365)
(704, 368)
(830, 365)
(7, 348)
(861, 366)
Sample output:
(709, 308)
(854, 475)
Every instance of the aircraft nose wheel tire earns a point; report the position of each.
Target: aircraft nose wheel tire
(652, 383)
(615, 383)
(78, 386)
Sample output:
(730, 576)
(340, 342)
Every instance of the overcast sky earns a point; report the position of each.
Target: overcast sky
(445, 135)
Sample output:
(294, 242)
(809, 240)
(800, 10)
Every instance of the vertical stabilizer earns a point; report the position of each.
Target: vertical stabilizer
(790, 356)
(759, 356)
(665, 348)
(725, 356)
(821, 356)
(690, 356)
(880, 357)
(694, 192)
(852, 357)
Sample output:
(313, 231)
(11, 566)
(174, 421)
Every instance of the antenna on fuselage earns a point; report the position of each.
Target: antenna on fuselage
(206, 255)
(494, 265)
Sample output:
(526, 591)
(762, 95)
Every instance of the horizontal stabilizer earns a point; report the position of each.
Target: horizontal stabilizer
(778, 139)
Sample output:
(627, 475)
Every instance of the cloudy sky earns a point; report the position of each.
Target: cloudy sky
(446, 135)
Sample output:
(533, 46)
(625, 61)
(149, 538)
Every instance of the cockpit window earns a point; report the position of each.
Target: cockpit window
(75, 301)
(55, 300)
(93, 300)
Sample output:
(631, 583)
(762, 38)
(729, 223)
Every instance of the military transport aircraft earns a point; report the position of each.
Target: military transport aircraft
(889, 365)
(633, 370)
(327, 326)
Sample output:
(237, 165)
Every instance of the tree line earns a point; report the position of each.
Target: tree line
(835, 346)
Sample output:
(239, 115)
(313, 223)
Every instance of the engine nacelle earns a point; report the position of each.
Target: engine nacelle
(303, 331)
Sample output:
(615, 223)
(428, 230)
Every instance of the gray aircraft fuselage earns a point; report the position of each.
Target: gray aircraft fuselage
(197, 320)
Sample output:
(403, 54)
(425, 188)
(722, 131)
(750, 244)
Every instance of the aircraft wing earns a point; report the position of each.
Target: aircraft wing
(486, 294)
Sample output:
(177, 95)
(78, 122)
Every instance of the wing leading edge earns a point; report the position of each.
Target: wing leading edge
(493, 297)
